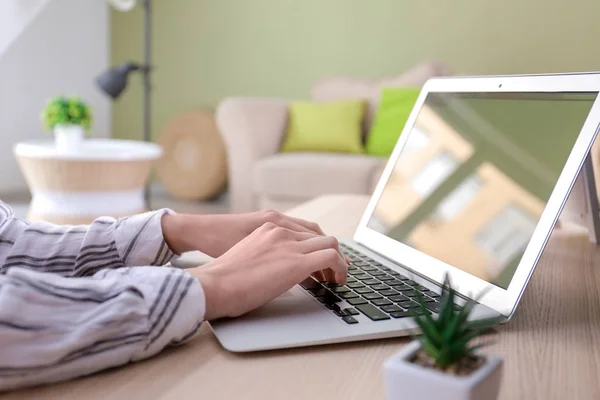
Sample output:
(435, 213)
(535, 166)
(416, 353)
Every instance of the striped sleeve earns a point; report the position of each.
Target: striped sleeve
(75, 251)
(54, 328)
(73, 301)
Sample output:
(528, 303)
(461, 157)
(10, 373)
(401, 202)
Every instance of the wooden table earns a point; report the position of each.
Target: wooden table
(551, 348)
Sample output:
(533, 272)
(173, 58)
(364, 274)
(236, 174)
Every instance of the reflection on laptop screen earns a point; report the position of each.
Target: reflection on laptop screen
(475, 174)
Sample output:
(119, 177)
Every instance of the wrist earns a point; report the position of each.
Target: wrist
(173, 229)
(210, 287)
(186, 232)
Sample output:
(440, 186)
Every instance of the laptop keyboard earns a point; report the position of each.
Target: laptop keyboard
(372, 289)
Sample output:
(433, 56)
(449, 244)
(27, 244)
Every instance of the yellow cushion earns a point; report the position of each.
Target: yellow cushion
(333, 127)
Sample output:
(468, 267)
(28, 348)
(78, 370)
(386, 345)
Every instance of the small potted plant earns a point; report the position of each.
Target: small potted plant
(70, 119)
(441, 363)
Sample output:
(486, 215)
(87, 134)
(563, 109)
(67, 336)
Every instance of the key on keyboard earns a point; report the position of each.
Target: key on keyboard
(379, 287)
(372, 312)
(367, 276)
(355, 285)
(351, 311)
(388, 292)
(371, 282)
(357, 301)
(372, 296)
(382, 302)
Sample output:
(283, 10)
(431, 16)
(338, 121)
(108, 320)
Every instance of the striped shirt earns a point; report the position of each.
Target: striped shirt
(78, 299)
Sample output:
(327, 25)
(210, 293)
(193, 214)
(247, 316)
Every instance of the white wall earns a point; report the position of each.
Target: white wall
(60, 52)
(15, 16)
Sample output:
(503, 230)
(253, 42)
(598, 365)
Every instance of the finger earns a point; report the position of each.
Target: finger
(312, 242)
(319, 275)
(327, 259)
(280, 232)
(329, 275)
(316, 243)
(284, 220)
(288, 223)
(311, 226)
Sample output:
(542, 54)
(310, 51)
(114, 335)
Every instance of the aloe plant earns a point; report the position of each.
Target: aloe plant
(447, 338)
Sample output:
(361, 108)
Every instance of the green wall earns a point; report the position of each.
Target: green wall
(205, 50)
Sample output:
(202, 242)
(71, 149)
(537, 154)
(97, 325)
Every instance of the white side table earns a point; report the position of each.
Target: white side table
(104, 178)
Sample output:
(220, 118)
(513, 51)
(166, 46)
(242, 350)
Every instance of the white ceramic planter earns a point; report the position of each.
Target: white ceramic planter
(68, 138)
(407, 380)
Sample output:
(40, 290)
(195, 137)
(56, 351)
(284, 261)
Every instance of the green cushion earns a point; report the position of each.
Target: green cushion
(393, 111)
(333, 127)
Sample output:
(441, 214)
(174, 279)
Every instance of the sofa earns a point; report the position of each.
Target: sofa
(260, 177)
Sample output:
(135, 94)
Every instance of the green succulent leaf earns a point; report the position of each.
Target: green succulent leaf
(429, 348)
(458, 320)
(447, 337)
(430, 331)
(473, 349)
(447, 304)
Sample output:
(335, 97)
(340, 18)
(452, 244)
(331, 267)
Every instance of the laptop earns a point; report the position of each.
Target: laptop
(473, 188)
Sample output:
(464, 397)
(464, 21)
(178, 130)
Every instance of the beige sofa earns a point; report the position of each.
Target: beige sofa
(262, 178)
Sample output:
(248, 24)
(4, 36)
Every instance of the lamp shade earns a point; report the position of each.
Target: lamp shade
(122, 5)
(114, 81)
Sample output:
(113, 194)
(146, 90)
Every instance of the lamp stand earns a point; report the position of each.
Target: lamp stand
(147, 87)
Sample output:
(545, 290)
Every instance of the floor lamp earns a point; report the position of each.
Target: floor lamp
(113, 81)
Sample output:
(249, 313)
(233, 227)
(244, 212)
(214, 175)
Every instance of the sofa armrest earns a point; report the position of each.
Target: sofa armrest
(252, 128)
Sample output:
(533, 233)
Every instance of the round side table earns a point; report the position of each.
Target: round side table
(105, 177)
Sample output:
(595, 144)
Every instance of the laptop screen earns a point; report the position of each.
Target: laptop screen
(474, 176)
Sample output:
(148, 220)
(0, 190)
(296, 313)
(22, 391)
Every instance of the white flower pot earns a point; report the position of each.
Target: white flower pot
(68, 138)
(407, 380)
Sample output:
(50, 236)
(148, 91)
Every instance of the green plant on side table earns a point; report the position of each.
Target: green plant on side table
(70, 119)
(442, 362)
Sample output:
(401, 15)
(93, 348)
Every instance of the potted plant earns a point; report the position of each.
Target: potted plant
(70, 119)
(441, 363)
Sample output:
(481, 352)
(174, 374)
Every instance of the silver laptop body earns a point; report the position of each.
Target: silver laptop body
(473, 188)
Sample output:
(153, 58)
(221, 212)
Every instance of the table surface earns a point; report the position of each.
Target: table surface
(551, 348)
(91, 150)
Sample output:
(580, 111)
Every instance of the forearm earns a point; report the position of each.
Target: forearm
(75, 327)
(184, 233)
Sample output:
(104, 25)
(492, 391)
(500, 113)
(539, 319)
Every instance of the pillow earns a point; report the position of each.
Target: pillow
(333, 127)
(343, 88)
(394, 108)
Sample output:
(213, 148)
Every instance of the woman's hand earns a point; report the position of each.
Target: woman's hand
(265, 264)
(216, 234)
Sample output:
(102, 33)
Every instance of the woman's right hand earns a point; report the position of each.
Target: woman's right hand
(264, 265)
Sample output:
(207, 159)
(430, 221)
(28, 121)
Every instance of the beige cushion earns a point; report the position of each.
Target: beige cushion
(307, 175)
(347, 88)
